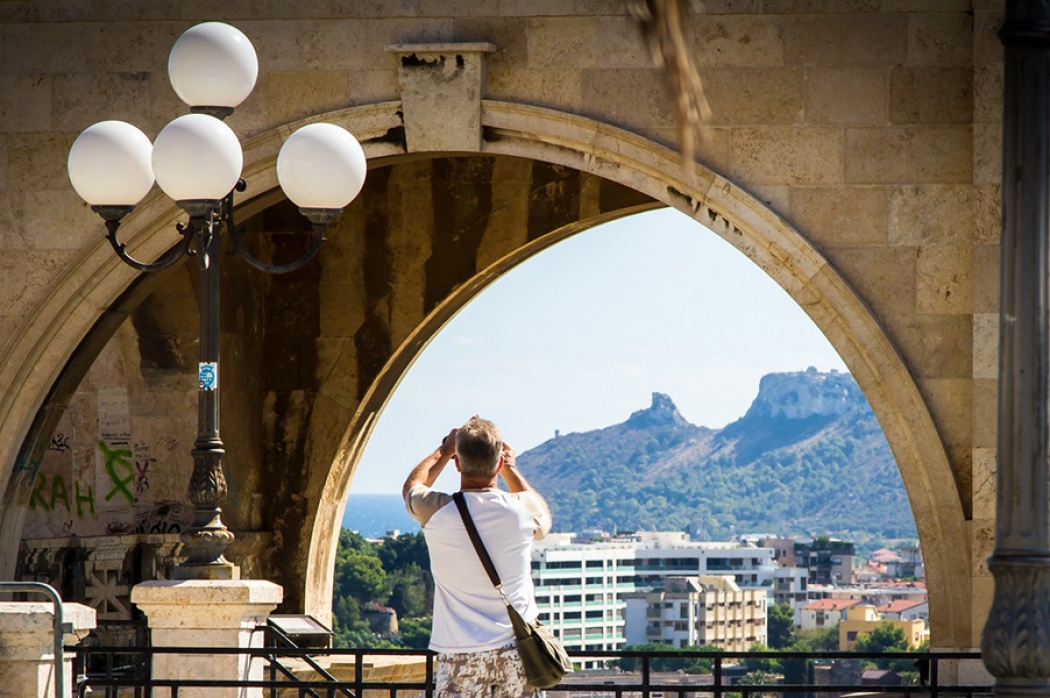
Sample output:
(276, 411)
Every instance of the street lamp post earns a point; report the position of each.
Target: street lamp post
(196, 160)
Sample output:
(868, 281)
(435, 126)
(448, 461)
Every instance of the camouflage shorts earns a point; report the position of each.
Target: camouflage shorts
(490, 674)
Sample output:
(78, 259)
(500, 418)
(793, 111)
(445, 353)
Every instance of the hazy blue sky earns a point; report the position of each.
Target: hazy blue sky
(581, 335)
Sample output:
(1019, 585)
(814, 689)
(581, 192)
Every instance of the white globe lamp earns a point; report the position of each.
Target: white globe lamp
(109, 165)
(321, 167)
(197, 157)
(213, 65)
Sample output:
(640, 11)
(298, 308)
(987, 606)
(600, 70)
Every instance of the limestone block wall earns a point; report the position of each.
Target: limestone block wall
(869, 127)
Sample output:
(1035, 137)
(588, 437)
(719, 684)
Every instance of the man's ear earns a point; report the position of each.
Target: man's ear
(455, 459)
(499, 466)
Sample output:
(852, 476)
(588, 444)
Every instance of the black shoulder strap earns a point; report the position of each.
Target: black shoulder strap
(472, 531)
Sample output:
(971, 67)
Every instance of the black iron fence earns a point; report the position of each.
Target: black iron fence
(281, 671)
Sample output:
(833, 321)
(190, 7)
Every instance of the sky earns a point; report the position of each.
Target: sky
(582, 334)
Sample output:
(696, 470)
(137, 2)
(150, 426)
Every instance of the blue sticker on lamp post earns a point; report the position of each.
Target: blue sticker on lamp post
(208, 376)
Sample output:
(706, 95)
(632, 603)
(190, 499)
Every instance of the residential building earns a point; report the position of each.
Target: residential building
(692, 611)
(791, 586)
(905, 609)
(863, 618)
(828, 561)
(823, 613)
(580, 587)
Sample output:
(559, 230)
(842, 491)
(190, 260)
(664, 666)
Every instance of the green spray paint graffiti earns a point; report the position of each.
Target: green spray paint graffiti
(118, 458)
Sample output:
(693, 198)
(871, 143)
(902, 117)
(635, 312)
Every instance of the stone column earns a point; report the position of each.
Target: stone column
(1016, 641)
(207, 613)
(27, 647)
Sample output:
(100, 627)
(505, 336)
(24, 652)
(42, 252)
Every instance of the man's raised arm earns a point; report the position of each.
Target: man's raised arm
(427, 472)
(516, 482)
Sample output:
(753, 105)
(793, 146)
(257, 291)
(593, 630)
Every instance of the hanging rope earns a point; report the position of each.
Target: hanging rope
(665, 27)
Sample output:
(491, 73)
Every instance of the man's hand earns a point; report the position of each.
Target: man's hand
(509, 456)
(448, 445)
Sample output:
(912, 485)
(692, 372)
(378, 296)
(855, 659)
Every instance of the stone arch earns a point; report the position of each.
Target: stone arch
(89, 290)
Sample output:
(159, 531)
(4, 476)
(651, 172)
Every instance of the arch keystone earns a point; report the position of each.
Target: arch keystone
(440, 88)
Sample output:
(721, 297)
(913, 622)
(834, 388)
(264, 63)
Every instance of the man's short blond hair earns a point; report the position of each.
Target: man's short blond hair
(479, 446)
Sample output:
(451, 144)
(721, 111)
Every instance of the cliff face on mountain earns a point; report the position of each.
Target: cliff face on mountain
(807, 458)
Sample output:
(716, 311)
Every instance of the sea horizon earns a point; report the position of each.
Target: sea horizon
(377, 515)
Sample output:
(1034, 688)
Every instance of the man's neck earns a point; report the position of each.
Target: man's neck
(473, 483)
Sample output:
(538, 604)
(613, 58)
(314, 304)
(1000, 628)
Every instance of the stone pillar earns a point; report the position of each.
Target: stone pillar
(27, 647)
(207, 613)
(1016, 641)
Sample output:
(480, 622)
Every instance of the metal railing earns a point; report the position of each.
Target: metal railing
(634, 673)
(61, 627)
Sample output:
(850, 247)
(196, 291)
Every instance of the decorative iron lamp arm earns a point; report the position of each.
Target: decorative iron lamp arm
(320, 218)
(113, 215)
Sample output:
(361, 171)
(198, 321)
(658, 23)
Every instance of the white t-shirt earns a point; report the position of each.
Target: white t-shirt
(469, 615)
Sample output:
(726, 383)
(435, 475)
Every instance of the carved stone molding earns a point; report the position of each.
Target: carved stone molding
(1016, 641)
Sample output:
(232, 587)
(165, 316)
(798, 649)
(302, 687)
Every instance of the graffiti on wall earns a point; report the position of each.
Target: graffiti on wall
(95, 479)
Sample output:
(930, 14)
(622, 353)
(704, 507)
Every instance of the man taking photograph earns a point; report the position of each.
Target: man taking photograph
(471, 631)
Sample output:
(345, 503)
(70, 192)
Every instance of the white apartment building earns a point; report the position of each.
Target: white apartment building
(693, 611)
(581, 587)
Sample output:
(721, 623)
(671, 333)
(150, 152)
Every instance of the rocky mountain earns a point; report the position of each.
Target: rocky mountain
(807, 458)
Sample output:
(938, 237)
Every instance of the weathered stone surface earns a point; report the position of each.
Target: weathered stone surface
(846, 96)
(949, 399)
(984, 483)
(985, 411)
(738, 40)
(986, 345)
(846, 39)
(931, 214)
(80, 97)
(988, 93)
(931, 95)
(26, 104)
(986, 278)
(889, 284)
(987, 153)
(586, 43)
(58, 220)
(34, 48)
(441, 84)
(832, 215)
(798, 156)
(939, 38)
(908, 154)
(944, 279)
(603, 93)
(38, 161)
(748, 96)
(27, 650)
(302, 94)
(987, 49)
(987, 214)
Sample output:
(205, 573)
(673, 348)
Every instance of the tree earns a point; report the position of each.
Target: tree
(760, 665)
(824, 640)
(781, 626)
(415, 633)
(884, 637)
(360, 576)
(408, 591)
(406, 549)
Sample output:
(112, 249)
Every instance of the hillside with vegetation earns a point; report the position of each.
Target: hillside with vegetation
(808, 458)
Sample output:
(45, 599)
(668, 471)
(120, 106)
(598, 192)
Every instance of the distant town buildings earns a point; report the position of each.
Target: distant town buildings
(863, 618)
(824, 613)
(581, 587)
(603, 593)
(693, 611)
